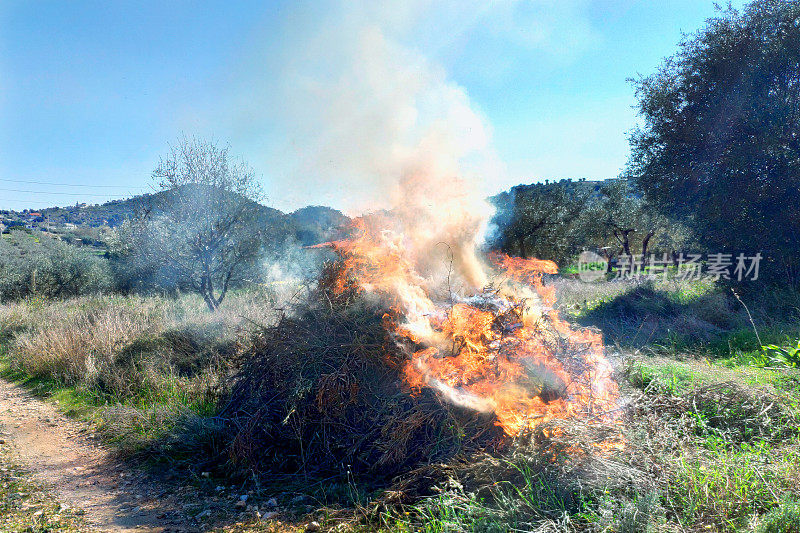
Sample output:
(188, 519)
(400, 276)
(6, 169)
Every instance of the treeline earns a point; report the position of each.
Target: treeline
(715, 165)
(559, 220)
(48, 267)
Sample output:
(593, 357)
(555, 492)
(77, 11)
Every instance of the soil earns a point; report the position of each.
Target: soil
(66, 457)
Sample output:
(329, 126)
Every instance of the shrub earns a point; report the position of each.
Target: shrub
(47, 267)
(76, 340)
(782, 356)
(782, 519)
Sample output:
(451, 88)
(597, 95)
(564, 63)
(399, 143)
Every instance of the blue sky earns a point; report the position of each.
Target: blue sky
(327, 100)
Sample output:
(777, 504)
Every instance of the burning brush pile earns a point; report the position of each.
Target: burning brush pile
(417, 349)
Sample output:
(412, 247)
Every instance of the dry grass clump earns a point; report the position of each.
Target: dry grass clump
(75, 339)
(127, 346)
(721, 452)
(148, 370)
(321, 392)
(734, 406)
(557, 477)
(13, 318)
(736, 413)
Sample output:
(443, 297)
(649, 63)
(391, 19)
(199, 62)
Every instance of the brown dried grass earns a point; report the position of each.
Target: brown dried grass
(321, 393)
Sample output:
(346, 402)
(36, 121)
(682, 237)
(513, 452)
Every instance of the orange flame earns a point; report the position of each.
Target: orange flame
(501, 349)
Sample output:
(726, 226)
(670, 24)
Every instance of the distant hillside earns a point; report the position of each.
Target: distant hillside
(86, 224)
(581, 185)
(110, 214)
(317, 223)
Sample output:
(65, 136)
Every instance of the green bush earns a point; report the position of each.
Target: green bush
(44, 266)
(779, 356)
(782, 519)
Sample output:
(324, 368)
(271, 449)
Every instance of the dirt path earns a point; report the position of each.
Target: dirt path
(63, 455)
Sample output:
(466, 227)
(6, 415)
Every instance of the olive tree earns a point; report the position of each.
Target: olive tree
(42, 265)
(203, 230)
(719, 145)
(621, 221)
(542, 220)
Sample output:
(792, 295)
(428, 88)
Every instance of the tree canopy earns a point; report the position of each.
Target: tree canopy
(558, 220)
(720, 143)
(543, 220)
(207, 231)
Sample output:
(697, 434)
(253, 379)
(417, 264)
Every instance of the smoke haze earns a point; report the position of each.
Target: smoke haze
(362, 111)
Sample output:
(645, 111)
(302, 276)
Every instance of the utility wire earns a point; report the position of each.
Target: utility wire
(61, 193)
(71, 184)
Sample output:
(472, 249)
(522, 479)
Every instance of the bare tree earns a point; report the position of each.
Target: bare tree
(204, 225)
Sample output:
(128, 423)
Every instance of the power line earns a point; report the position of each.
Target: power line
(61, 193)
(71, 184)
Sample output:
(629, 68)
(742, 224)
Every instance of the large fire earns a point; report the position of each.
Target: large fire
(484, 334)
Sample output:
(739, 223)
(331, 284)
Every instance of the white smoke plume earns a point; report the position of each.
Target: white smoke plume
(392, 131)
(360, 110)
(377, 124)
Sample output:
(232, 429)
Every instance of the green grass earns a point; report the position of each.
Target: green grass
(679, 317)
(679, 377)
(726, 486)
(672, 377)
(785, 518)
(708, 459)
(734, 465)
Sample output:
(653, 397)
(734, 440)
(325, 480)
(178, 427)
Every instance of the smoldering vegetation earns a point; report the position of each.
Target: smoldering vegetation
(291, 391)
(321, 393)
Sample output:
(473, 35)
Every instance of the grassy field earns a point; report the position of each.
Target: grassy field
(710, 423)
